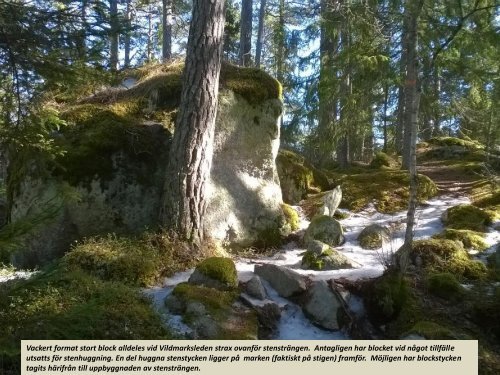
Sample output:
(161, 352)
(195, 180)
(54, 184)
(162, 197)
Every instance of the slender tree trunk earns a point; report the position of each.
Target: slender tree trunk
(167, 22)
(149, 46)
(113, 37)
(398, 140)
(412, 95)
(246, 32)
(260, 33)
(280, 43)
(82, 33)
(128, 26)
(190, 159)
(386, 103)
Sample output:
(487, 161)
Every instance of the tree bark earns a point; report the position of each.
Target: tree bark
(412, 95)
(167, 21)
(113, 37)
(246, 32)
(399, 134)
(128, 26)
(190, 160)
(260, 33)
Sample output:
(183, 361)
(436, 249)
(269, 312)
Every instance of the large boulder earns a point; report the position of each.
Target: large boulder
(111, 177)
(215, 272)
(325, 229)
(285, 281)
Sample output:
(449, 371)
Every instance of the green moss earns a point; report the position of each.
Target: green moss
(381, 159)
(325, 229)
(387, 189)
(431, 331)
(253, 84)
(61, 304)
(486, 312)
(387, 297)
(312, 261)
(489, 200)
(468, 238)
(447, 256)
(445, 285)
(295, 178)
(466, 216)
(221, 269)
(269, 237)
(291, 216)
(452, 141)
(216, 301)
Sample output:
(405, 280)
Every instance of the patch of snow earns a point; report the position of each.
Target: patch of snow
(8, 274)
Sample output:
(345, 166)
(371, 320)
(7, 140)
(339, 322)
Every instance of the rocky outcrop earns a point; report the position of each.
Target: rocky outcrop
(113, 172)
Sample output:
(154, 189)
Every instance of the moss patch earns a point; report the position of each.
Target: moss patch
(468, 238)
(431, 331)
(387, 189)
(445, 285)
(138, 261)
(62, 304)
(295, 178)
(221, 269)
(446, 256)
(255, 85)
(453, 141)
(381, 159)
(466, 216)
(291, 216)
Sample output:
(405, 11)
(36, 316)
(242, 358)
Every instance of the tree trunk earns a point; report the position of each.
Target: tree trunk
(412, 95)
(167, 21)
(190, 159)
(128, 27)
(386, 103)
(280, 43)
(246, 32)
(260, 33)
(113, 36)
(149, 46)
(398, 139)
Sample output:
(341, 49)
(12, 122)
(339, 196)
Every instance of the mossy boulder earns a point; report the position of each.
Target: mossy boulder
(321, 257)
(291, 216)
(373, 237)
(295, 178)
(466, 216)
(454, 141)
(325, 229)
(381, 160)
(446, 256)
(114, 151)
(469, 239)
(215, 272)
(445, 285)
(213, 314)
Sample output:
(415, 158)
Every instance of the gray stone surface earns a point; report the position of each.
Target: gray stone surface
(331, 201)
(285, 281)
(255, 289)
(374, 236)
(322, 306)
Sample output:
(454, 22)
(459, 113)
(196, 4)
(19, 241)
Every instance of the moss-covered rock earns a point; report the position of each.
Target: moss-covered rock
(213, 314)
(215, 272)
(381, 159)
(466, 216)
(486, 312)
(468, 238)
(295, 178)
(291, 216)
(113, 153)
(373, 237)
(329, 259)
(445, 285)
(325, 229)
(446, 256)
(453, 141)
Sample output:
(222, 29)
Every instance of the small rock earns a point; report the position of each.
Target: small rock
(195, 309)
(317, 247)
(174, 304)
(285, 281)
(325, 229)
(255, 288)
(322, 306)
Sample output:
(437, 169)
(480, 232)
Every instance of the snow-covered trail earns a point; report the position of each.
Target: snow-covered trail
(293, 323)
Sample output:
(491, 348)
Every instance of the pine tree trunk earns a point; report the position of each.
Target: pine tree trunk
(167, 21)
(246, 33)
(190, 160)
(280, 43)
(128, 26)
(412, 95)
(113, 37)
(398, 139)
(260, 33)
